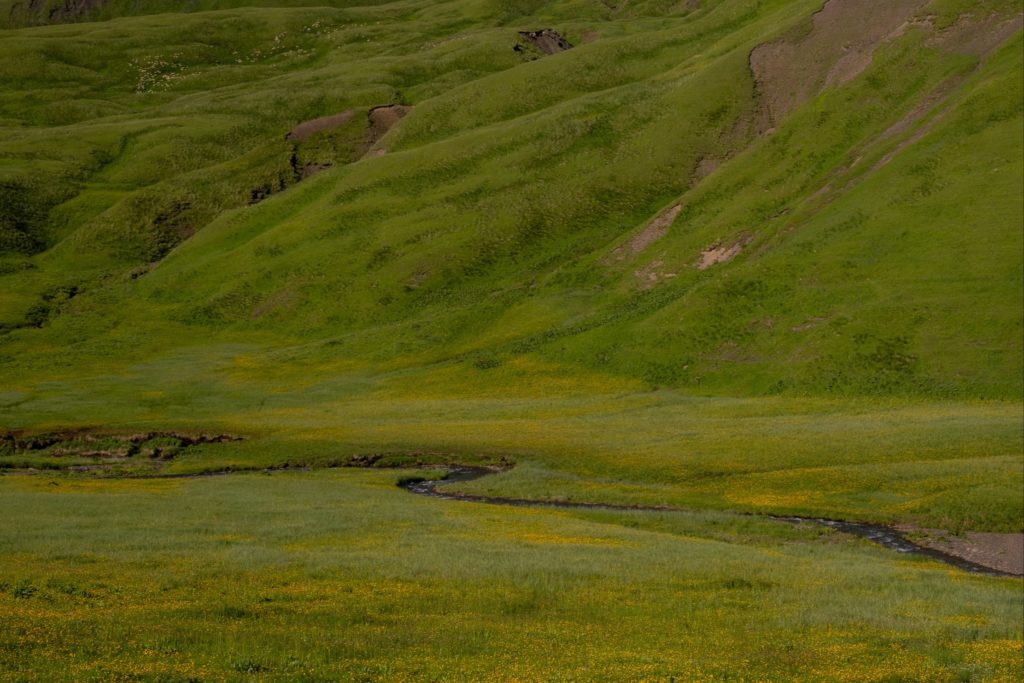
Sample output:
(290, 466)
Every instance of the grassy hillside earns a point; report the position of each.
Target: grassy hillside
(212, 214)
(528, 206)
(735, 257)
(18, 13)
(207, 213)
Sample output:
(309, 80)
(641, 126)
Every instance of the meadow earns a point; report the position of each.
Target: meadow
(339, 575)
(736, 257)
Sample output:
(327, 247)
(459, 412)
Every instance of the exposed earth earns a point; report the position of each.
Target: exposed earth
(1004, 552)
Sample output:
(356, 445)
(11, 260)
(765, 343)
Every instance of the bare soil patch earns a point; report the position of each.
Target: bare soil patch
(100, 445)
(383, 119)
(977, 37)
(1004, 552)
(721, 253)
(705, 167)
(307, 129)
(653, 273)
(546, 40)
(347, 147)
(307, 170)
(650, 234)
(838, 47)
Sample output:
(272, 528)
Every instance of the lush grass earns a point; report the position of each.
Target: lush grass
(482, 292)
(949, 465)
(340, 575)
(491, 228)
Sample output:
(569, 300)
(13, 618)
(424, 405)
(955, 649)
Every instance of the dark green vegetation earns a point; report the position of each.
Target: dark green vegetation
(736, 255)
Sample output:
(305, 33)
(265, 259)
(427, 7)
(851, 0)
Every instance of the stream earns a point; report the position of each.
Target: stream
(885, 536)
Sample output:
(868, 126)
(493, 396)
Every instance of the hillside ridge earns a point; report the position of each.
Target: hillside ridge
(728, 198)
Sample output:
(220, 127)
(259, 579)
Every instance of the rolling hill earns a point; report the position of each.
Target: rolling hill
(726, 197)
(678, 273)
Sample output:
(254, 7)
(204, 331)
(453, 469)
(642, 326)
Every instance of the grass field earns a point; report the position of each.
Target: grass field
(730, 256)
(340, 575)
(943, 465)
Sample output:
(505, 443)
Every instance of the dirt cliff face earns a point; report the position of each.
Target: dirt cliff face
(546, 40)
(838, 47)
(72, 10)
(54, 12)
(383, 119)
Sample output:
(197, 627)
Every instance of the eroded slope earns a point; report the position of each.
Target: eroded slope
(759, 197)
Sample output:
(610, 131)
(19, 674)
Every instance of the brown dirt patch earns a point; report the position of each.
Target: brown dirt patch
(720, 252)
(838, 47)
(307, 129)
(308, 170)
(383, 119)
(105, 449)
(968, 36)
(706, 167)
(977, 37)
(650, 234)
(546, 40)
(653, 273)
(1004, 552)
(379, 120)
(19, 441)
(69, 10)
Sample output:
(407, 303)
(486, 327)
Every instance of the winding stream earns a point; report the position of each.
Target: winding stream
(884, 536)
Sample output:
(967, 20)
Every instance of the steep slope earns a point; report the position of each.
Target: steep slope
(726, 198)
(735, 254)
(671, 269)
(17, 13)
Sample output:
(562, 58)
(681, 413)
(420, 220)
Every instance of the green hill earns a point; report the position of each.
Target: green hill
(753, 206)
(267, 219)
(678, 267)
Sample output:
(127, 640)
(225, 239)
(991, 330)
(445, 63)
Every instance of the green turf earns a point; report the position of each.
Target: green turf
(488, 282)
(341, 576)
(491, 228)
